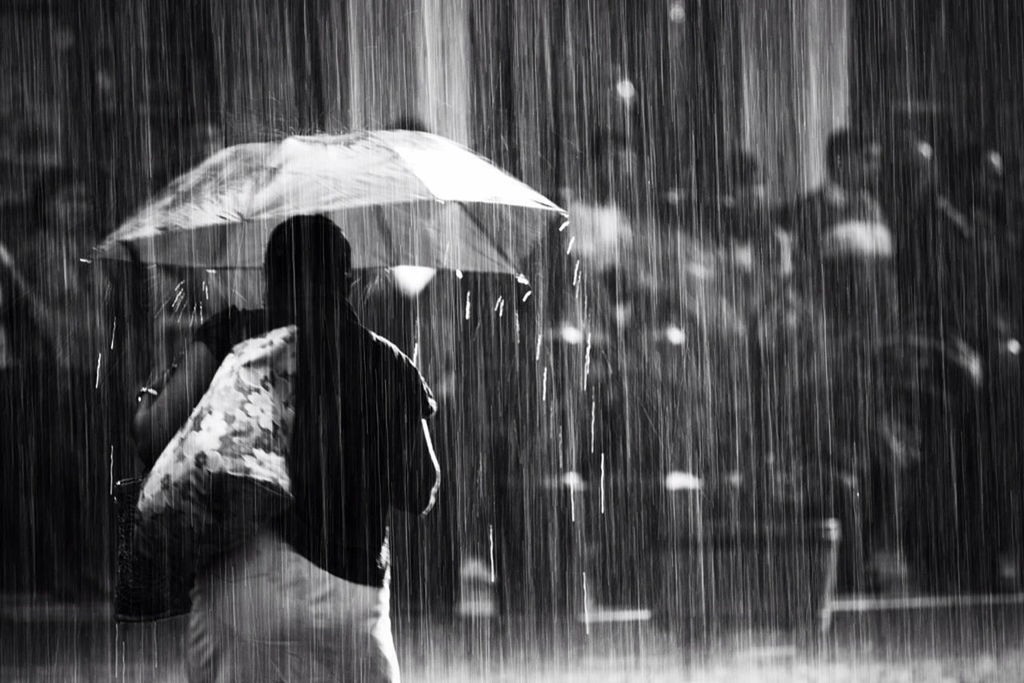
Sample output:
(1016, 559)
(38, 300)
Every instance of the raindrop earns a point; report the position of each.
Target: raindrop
(593, 420)
(490, 545)
(586, 362)
(586, 603)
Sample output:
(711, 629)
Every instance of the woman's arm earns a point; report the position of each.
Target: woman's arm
(431, 478)
(418, 472)
(160, 416)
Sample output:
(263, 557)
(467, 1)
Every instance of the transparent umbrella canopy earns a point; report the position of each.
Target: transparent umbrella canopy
(402, 198)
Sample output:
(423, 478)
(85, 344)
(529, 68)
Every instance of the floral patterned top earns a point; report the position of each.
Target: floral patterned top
(240, 430)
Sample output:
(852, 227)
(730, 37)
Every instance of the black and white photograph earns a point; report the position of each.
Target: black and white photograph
(550, 341)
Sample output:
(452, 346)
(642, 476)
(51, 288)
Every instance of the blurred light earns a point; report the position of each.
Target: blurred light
(1009, 568)
(700, 271)
(563, 226)
(474, 568)
(573, 481)
(625, 90)
(570, 480)
(675, 335)
(1013, 346)
(571, 334)
(522, 279)
(858, 238)
(623, 314)
(411, 280)
(683, 481)
(925, 150)
(677, 12)
(995, 159)
(63, 39)
(744, 256)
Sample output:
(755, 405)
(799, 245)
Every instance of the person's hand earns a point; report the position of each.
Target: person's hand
(155, 383)
(164, 407)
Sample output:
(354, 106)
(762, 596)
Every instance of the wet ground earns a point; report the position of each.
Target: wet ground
(923, 641)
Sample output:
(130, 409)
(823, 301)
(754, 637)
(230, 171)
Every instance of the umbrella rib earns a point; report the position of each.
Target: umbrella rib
(479, 226)
(383, 222)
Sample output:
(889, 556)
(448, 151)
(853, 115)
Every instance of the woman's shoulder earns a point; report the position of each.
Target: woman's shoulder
(385, 350)
(224, 329)
(391, 362)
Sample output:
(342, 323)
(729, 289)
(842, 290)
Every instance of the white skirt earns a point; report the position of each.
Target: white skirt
(265, 613)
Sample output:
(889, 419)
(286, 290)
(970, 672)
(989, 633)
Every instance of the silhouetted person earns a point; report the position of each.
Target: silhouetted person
(317, 596)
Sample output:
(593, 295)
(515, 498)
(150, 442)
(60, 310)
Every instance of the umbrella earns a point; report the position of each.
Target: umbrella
(402, 198)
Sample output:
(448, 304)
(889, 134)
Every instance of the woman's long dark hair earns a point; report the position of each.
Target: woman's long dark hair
(307, 270)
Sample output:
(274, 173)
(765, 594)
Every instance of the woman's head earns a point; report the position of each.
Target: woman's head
(307, 270)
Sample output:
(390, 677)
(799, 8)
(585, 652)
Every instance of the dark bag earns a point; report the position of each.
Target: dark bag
(146, 588)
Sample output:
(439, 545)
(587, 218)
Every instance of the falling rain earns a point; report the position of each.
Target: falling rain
(546, 340)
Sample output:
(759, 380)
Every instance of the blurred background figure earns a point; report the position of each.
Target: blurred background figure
(744, 192)
(27, 357)
(58, 237)
(853, 162)
(604, 208)
(54, 281)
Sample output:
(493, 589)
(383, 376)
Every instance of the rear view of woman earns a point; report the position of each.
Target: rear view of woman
(308, 597)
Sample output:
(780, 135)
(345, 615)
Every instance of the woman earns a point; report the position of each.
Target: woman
(308, 598)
